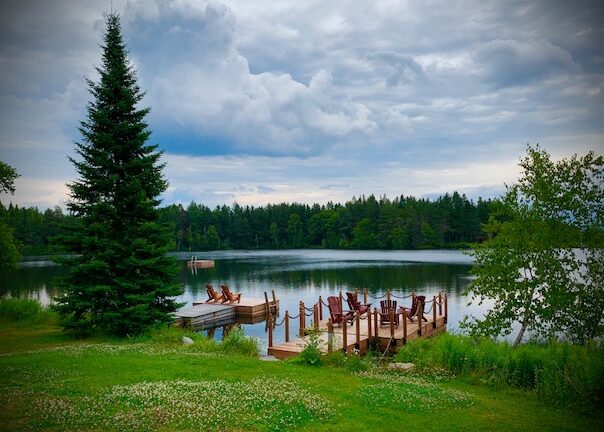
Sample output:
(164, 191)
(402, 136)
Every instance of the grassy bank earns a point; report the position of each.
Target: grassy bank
(50, 382)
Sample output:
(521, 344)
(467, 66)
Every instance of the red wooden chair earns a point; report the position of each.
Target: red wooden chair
(353, 303)
(412, 312)
(214, 297)
(229, 297)
(387, 306)
(336, 312)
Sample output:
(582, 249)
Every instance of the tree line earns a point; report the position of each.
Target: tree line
(451, 220)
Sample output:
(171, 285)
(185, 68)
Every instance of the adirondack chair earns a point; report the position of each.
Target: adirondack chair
(229, 297)
(386, 306)
(336, 312)
(353, 303)
(214, 297)
(412, 312)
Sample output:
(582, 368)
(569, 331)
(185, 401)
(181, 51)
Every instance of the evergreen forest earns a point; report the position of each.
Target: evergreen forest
(450, 221)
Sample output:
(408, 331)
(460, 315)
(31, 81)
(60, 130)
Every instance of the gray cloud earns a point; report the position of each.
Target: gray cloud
(510, 62)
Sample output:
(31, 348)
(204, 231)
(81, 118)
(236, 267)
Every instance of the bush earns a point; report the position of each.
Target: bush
(237, 343)
(311, 354)
(25, 311)
(560, 372)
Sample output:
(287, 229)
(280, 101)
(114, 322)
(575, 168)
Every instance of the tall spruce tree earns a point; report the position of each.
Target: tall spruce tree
(121, 281)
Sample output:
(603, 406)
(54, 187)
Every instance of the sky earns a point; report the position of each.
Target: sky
(260, 102)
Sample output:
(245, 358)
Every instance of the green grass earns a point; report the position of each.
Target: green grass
(562, 373)
(50, 382)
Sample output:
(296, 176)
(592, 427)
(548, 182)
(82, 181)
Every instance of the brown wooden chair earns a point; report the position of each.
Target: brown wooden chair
(214, 297)
(229, 296)
(336, 312)
(412, 312)
(353, 303)
(386, 306)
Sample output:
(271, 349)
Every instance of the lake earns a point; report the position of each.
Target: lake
(295, 275)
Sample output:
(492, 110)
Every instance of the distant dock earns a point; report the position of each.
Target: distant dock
(195, 263)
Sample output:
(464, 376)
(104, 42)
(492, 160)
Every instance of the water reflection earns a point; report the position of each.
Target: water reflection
(296, 276)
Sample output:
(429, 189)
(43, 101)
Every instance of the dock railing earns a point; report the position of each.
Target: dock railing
(437, 305)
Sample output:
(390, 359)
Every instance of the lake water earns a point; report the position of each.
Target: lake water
(296, 275)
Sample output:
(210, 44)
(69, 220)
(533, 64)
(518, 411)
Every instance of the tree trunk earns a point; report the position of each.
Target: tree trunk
(520, 334)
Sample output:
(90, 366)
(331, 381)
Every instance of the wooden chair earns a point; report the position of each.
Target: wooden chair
(336, 312)
(353, 303)
(229, 297)
(412, 312)
(386, 306)
(214, 297)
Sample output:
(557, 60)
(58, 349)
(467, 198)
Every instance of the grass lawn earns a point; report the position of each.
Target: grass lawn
(49, 382)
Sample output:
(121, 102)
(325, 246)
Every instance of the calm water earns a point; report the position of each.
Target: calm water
(296, 275)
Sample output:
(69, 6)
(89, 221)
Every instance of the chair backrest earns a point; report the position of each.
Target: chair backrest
(386, 305)
(420, 299)
(352, 300)
(413, 309)
(335, 309)
(212, 292)
(227, 292)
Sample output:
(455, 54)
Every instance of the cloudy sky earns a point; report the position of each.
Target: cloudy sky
(311, 101)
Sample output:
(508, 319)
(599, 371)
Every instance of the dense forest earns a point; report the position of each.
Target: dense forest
(451, 220)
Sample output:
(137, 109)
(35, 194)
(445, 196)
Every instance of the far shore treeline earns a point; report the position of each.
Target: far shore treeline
(450, 221)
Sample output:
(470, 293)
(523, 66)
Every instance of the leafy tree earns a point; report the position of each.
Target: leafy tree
(543, 265)
(9, 251)
(121, 280)
(8, 175)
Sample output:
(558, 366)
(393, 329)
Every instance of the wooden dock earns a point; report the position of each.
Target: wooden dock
(208, 315)
(366, 329)
(195, 263)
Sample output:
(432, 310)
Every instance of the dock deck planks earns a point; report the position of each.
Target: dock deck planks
(202, 314)
(295, 347)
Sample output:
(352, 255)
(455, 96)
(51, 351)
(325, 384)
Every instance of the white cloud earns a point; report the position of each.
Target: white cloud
(348, 97)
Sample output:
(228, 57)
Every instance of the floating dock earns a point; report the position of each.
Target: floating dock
(200, 263)
(208, 315)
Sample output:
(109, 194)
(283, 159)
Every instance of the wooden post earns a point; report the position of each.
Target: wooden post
(446, 314)
(356, 293)
(364, 295)
(286, 326)
(375, 323)
(329, 335)
(341, 303)
(391, 318)
(388, 295)
(412, 296)
(316, 317)
(420, 314)
(358, 325)
(404, 326)
(344, 334)
(320, 308)
(270, 331)
(302, 316)
(274, 298)
(369, 323)
(268, 306)
(440, 304)
(434, 312)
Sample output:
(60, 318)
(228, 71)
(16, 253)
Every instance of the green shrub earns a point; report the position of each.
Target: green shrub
(560, 372)
(26, 311)
(311, 354)
(335, 358)
(237, 343)
(355, 363)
